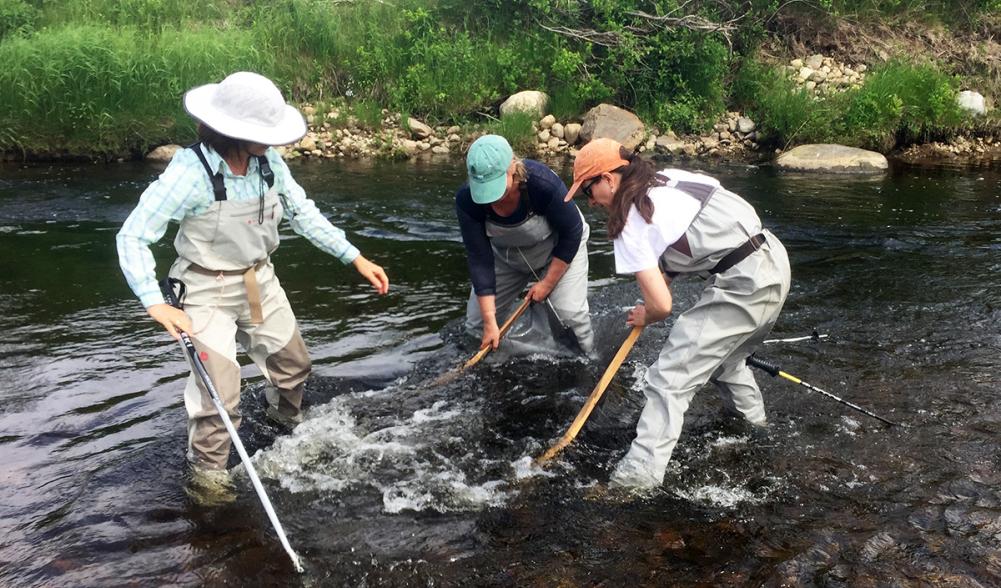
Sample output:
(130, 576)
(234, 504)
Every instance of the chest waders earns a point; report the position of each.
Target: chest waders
(167, 287)
(521, 252)
(747, 281)
(234, 296)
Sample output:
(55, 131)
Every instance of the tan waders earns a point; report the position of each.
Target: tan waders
(521, 253)
(233, 295)
(710, 341)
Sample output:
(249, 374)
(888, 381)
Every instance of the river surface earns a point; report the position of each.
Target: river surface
(391, 482)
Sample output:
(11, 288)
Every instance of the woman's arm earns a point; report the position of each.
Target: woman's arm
(656, 299)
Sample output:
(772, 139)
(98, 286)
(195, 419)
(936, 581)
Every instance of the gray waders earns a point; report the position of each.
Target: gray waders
(233, 295)
(710, 341)
(522, 252)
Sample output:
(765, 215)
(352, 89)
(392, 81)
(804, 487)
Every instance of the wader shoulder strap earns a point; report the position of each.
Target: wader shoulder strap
(218, 186)
(266, 173)
(697, 190)
(702, 193)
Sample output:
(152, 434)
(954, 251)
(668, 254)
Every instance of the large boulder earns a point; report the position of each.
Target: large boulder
(163, 153)
(972, 102)
(419, 130)
(832, 158)
(612, 122)
(530, 102)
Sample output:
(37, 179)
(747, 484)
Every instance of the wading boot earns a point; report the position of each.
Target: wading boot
(208, 487)
(280, 411)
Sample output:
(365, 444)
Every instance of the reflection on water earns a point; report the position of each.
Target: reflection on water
(392, 482)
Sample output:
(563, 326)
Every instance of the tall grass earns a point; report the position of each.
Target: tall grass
(516, 127)
(107, 75)
(901, 103)
(964, 12)
(898, 104)
(784, 113)
(399, 55)
(91, 89)
(150, 15)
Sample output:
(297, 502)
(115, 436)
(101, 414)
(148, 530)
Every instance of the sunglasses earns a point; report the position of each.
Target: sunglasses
(586, 188)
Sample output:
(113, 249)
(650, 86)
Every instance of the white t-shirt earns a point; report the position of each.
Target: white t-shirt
(641, 244)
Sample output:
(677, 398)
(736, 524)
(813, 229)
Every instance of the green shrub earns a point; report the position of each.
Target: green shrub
(899, 103)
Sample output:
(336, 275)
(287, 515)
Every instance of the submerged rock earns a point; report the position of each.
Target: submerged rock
(163, 153)
(832, 158)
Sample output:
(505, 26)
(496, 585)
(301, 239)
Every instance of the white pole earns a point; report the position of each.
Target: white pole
(204, 375)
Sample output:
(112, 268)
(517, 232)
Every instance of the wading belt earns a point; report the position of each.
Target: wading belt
(737, 255)
(249, 282)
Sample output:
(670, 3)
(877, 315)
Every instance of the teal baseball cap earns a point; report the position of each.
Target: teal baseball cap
(487, 162)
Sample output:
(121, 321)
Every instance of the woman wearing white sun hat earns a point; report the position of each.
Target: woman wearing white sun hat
(229, 192)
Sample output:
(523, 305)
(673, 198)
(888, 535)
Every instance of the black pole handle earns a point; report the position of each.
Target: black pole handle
(770, 368)
(167, 289)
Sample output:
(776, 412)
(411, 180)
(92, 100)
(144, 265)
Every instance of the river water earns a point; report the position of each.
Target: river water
(391, 482)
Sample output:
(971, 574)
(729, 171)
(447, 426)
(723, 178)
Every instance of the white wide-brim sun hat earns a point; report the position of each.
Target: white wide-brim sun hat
(246, 106)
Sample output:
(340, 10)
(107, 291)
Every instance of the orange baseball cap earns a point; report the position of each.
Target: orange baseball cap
(595, 158)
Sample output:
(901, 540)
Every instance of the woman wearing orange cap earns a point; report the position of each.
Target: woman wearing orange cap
(670, 222)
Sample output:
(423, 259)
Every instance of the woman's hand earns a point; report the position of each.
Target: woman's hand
(373, 273)
(172, 319)
(539, 291)
(637, 316)
(657, 300)
(491, 335)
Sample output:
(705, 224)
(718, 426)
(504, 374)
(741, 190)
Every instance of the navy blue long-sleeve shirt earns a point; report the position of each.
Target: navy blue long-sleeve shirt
(543, 194)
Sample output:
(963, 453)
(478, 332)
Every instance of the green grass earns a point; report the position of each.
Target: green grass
(898, 104)
(107, 76)
(901, 103)
(91, 89)
(784, 114)
(516, 127)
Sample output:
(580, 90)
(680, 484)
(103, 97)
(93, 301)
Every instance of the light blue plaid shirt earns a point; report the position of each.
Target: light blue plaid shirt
(184, 189)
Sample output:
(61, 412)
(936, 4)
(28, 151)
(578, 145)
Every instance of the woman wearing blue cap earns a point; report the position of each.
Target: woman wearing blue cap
(517, 228)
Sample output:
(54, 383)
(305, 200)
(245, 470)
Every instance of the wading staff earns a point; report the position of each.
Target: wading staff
(593, 399)
(167, 287)
(815, 337)
(452, 375)
(774, 370)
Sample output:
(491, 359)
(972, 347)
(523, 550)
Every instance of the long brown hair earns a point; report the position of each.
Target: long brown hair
(637, 177)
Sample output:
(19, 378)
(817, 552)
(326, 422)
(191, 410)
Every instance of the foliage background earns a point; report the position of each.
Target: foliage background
(106, 76)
